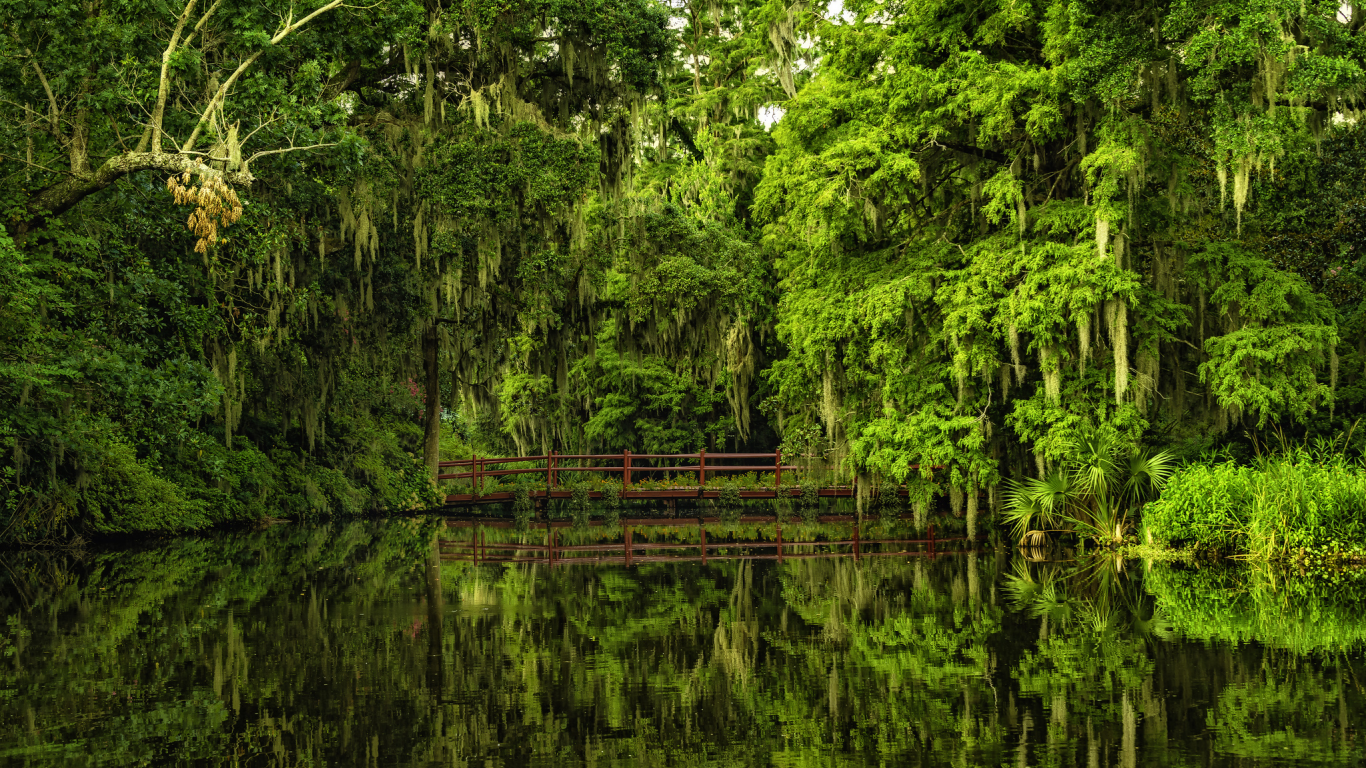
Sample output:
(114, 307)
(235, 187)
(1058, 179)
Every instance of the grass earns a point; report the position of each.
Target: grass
(1299, 504)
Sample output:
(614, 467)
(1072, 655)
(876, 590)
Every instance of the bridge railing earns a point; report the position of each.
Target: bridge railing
(477, 468)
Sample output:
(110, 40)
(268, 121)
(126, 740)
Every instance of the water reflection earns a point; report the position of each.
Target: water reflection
(356, 644)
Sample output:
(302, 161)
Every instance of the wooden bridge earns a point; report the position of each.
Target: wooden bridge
(553, 468)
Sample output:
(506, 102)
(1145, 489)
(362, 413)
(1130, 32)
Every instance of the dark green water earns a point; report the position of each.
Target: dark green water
(353, 645)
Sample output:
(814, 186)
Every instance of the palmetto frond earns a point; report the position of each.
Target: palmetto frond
(1037, 502)
(1094, 465)
(1148, 473)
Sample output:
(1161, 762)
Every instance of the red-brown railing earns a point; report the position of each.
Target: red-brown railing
(554, 465)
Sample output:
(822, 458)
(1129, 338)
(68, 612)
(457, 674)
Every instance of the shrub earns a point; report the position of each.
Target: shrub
(580, 505)
(1277, 506)
(1201, 504)
(126, 496)
(611, 494)
(523, 508)
(1093, 491)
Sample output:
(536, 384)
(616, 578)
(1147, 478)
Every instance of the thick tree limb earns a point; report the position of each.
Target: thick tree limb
(164, 83)
(59, 197)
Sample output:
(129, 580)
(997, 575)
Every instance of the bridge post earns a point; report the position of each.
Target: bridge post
(702, 468)
(625, 470)
(550, 467)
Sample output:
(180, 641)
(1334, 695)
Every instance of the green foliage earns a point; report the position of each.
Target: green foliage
(1093, 491)
(603, 226)
(1279, 507)
(125, 496)
(1316, 614)
(887, 502)
(611, 495)
(523, 507)
(580, 505)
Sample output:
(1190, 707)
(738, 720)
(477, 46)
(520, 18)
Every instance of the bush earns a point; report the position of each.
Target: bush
(580, 505)
(126, 496)
(611, 494)
(523, 509)
(1201, 504)
(1278, 506)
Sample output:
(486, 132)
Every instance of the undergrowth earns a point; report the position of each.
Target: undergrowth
(1300, 504)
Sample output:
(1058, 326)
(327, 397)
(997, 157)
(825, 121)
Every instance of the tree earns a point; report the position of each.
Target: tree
(1000, 224)
(87, 87)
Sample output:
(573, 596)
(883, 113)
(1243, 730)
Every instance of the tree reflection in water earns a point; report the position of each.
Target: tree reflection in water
(356, 644)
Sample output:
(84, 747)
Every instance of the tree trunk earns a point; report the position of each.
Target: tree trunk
(431, 441)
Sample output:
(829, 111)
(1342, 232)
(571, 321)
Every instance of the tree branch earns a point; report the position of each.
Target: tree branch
(59, 197)
(218, 98)
(164, 83)
(968, 149)
(287, 149)
(54, 112)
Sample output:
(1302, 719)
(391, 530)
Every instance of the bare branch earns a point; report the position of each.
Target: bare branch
(268, 121)
(54, 113)
(32, 164)
(118, 134)
(287, 149)
(164, 84)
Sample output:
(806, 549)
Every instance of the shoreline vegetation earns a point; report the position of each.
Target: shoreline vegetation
(1299, 507)
(1058, 281)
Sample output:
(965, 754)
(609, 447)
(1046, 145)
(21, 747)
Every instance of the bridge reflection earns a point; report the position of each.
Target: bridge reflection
(666, 545)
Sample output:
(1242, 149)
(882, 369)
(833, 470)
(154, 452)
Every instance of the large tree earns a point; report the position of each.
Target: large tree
(1001, 221)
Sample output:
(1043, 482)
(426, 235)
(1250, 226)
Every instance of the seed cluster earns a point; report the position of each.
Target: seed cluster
(216, 205)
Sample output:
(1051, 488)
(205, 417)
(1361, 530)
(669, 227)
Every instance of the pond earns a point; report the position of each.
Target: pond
(357, 644)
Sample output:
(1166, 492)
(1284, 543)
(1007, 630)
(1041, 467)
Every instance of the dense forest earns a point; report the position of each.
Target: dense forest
(273, 259)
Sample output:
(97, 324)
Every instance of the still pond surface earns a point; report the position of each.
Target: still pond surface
(355, 644)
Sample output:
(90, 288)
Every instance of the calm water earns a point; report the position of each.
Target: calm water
(355, 645)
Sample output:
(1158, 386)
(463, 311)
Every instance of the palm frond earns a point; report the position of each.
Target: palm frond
(1148, 473)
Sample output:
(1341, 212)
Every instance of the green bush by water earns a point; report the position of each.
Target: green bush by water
(1293, 504)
